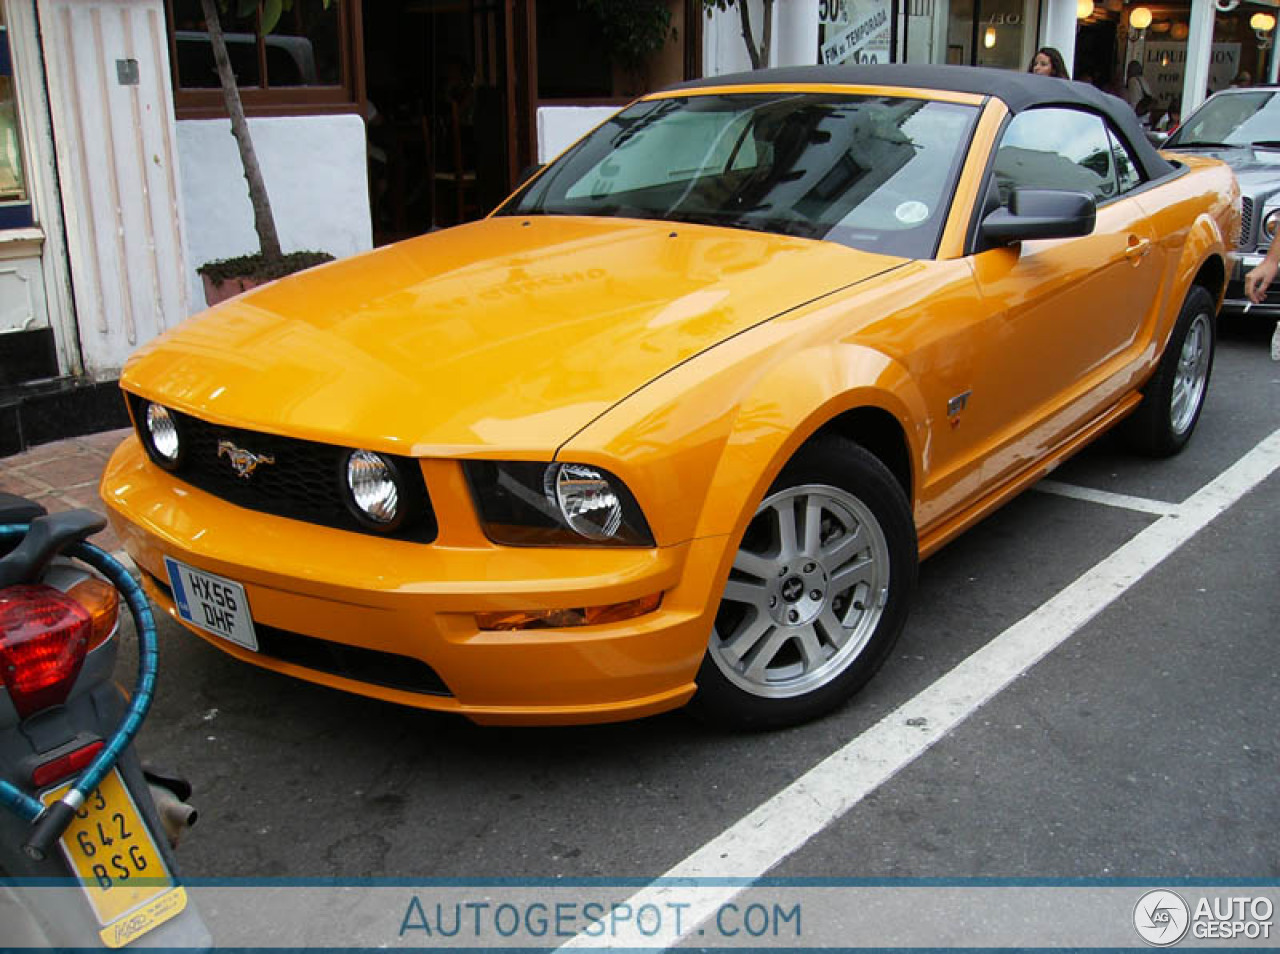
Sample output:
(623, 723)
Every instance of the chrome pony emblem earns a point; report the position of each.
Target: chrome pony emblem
(245, 462)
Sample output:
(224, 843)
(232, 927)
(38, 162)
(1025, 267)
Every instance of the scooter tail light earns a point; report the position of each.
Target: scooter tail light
(102, 601)
(44, 637)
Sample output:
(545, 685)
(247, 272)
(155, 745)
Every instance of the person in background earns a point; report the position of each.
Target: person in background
(1048, 62)
(1257, 281)
(1259, 278)
(1242, 80)
(1137, 93)
(1171, 118)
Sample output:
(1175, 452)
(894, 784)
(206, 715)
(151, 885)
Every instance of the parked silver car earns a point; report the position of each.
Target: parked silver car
(1242, 128)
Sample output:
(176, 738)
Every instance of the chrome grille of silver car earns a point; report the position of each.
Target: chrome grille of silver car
(1246, 223)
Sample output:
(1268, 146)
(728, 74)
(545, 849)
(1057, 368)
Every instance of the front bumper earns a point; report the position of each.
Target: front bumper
(1235, 301)
(405, 599)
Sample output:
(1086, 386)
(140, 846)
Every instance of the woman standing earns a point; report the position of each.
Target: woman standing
(1048, 62)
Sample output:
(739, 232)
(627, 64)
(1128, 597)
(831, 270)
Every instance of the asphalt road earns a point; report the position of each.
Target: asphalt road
(1143, 745)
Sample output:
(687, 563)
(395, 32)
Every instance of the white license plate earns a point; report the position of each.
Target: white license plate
(214, 603)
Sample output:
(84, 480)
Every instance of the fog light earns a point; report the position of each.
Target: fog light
(566, 618)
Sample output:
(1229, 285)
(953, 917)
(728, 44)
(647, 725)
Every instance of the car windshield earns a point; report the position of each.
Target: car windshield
(1234, 119)
(871, 172)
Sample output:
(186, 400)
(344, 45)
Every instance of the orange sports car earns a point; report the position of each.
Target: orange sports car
(676, 422)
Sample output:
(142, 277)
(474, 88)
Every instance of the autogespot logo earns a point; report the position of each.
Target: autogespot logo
(1161, 917)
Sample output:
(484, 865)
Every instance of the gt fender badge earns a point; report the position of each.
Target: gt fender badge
(245, 462)
(958, 403)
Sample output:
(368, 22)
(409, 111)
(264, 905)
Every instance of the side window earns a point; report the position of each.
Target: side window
(1051, 148)
(1126, 168)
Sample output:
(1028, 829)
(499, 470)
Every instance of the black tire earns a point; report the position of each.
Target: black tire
(802, 627)
(1174, 397)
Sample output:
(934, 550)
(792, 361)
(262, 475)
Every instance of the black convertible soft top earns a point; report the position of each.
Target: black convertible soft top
(1018, 91)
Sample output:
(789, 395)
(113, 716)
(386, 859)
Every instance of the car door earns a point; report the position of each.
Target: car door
(1065, 313)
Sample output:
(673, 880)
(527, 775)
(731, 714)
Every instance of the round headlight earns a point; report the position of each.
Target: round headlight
(586, 500)
(371, 481)
(163, 433)
(1270, 223)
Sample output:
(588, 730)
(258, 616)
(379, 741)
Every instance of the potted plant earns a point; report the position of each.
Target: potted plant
(634, 30)
(225, 278)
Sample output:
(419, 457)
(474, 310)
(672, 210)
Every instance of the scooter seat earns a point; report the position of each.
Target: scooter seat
(15, 509)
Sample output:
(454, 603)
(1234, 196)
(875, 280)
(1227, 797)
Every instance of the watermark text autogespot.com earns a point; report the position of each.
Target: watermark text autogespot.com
(487, 921)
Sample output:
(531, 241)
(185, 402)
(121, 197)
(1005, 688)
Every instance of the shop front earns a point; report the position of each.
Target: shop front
(1183, 47)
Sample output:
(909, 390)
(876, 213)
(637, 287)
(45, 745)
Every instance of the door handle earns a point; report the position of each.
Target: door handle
(1138, 248)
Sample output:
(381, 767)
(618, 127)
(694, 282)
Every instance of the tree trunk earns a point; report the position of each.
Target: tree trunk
(744, 12)
(759, 54)
(766, 34)
(263, 222)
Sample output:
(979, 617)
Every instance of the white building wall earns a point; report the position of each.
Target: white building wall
(1059, 31)
(795, 33)
(723, 49)
(107, 69)
(559, 127)
(317, 178)
(1195, 78)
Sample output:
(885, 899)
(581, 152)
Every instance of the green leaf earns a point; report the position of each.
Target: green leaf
(271, 11)
(246, 8)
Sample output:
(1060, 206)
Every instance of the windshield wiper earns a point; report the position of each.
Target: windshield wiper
(1266, 143)
(1203, 145)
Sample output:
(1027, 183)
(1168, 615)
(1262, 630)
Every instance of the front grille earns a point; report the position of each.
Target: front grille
(369, 666)
(306, 480)
(1246, 223)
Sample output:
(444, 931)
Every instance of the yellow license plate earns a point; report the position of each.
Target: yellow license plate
(119, 866)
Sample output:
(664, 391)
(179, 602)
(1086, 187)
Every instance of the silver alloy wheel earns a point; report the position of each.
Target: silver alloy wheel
(806, 593)
(1192, 375)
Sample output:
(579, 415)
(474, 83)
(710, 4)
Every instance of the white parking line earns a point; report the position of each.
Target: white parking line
(1123, 501)
(784, 823)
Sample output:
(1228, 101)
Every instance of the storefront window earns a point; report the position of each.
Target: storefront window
(999, 33)
(854, 31)
(15, 203)
(13, 185)
(1239, 55)
(304, 61)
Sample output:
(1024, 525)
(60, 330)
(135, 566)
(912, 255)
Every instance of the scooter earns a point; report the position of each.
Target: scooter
(86, 833)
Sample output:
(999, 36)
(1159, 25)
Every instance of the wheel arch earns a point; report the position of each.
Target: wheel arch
(1203, 259)
(843, 389)
(1200, 260)
(1212, 276)
(881, 434)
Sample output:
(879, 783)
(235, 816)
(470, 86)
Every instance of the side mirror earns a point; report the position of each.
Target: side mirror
(1039, 214)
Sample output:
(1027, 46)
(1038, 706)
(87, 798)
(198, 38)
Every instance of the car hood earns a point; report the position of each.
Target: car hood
(511, 333)
(1256, 169)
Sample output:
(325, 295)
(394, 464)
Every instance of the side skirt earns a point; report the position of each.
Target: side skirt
(938, 536)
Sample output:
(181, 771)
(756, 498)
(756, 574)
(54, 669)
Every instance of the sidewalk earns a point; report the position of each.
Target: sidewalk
(64, 475)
